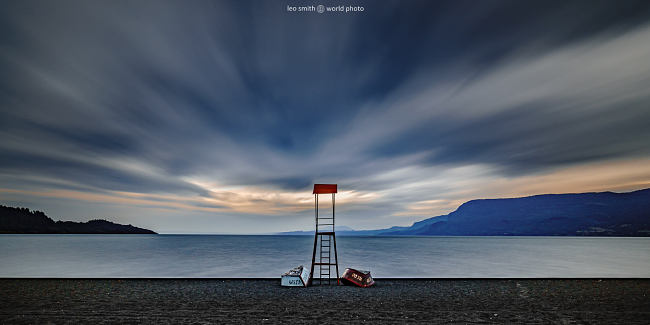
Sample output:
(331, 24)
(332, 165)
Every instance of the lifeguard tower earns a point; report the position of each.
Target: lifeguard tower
(324, 239)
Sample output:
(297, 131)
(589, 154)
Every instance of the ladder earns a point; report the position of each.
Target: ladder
(324, 241)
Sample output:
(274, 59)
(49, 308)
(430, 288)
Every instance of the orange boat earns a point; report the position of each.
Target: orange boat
(357, 277)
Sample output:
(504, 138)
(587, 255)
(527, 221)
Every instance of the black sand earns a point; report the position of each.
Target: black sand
(264, 301)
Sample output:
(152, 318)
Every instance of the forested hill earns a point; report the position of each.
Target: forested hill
(23, 221)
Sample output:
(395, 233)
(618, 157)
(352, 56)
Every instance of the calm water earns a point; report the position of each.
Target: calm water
(270, 256)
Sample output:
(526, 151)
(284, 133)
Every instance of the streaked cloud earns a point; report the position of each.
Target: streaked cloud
(216, 111)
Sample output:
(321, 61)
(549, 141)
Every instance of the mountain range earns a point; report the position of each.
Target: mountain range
(581, 214)
(23, 221)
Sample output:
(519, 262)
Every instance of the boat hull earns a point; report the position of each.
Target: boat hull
(357, 277)
(297, 277)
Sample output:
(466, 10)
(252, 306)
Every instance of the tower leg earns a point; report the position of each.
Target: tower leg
(313, 255)
(336, 259)
(313, 260)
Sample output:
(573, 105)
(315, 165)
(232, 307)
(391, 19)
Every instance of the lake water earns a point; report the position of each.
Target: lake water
(270, 256)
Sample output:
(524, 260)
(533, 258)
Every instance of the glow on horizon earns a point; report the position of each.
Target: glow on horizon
(480, 183)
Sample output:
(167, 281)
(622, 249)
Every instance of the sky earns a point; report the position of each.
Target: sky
(219, 116)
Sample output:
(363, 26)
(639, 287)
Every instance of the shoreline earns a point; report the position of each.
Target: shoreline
(377, 279)
(419, 300)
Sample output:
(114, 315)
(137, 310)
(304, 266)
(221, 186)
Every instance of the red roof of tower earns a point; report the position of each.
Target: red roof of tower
(324, 188)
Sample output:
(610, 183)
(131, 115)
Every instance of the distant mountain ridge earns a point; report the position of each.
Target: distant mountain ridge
(23, 221)
(582, 214)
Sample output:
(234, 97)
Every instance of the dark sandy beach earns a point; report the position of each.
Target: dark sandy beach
(264, 301)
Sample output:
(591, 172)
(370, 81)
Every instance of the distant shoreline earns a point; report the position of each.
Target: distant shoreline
(355, 236)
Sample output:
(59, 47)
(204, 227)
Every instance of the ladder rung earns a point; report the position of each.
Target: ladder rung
(324, 263)
(325, 233)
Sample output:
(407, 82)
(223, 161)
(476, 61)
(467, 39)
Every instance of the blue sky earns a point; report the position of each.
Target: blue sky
(218, 116)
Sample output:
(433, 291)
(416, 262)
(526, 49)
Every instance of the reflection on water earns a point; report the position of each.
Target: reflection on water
(270, 256)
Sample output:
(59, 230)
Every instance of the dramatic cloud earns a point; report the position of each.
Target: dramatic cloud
(217, 116)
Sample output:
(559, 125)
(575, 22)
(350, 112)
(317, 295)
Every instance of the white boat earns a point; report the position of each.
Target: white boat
(297, 277)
